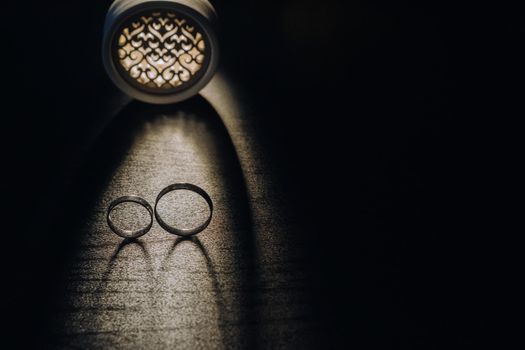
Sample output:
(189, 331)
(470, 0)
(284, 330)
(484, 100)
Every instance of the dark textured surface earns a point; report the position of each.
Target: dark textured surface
(240, 283)
(236, 285)
(357, 155)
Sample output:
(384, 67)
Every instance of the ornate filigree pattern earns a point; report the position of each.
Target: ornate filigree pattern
(161, 50)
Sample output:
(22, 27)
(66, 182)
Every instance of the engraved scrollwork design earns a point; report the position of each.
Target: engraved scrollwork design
(161, 50)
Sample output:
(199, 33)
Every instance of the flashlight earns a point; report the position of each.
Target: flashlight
(160, 51)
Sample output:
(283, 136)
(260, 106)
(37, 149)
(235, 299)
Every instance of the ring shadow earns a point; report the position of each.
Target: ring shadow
(219, 297)
(126, 242)
(103, 160)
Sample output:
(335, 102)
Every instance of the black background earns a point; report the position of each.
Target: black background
(384, 119)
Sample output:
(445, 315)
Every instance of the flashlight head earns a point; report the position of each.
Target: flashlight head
(160, 51)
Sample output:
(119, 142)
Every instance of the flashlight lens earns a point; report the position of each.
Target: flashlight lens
(161, 51)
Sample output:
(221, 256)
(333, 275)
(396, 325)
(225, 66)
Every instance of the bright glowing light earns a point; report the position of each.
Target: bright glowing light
(161, 50)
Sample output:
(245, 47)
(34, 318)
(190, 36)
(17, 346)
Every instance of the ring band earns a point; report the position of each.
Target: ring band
(192, 188)
(129, 233)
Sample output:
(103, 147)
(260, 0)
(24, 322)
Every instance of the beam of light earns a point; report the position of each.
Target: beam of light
(160, 292)
(233, 286)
